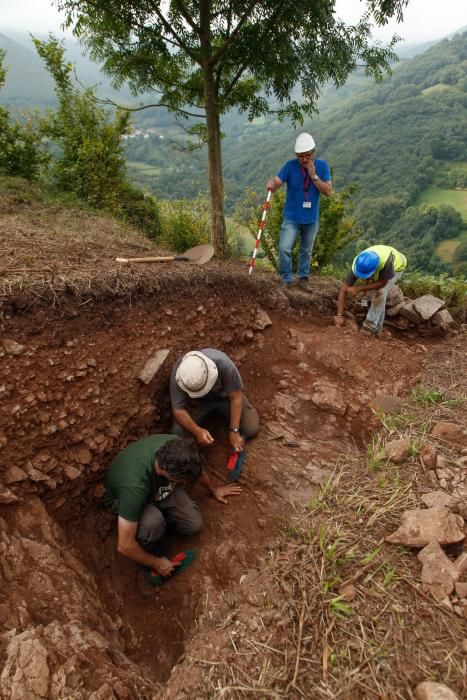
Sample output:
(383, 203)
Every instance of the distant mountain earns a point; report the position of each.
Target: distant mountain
(28, 83)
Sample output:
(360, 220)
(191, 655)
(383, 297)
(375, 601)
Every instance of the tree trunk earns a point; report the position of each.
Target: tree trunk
(216, 185)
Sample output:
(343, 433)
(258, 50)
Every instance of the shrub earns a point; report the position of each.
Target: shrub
(21, 154)
(185, 223)
(453, 290)
(140, 210)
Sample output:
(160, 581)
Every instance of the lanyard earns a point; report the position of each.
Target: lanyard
(306, 177)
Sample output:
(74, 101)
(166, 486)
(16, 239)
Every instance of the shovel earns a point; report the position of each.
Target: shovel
(198, 255)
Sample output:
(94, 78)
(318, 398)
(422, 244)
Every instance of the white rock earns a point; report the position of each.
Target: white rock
(427, 306)
(152, 366)
(430, 690)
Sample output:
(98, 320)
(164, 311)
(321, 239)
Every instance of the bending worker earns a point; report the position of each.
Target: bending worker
(209, 380)
(145, 487)
(377, 268)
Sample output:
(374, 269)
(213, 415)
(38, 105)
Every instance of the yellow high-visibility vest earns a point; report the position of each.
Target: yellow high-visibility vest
(383, 252)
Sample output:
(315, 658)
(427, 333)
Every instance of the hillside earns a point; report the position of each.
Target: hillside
(403, 143)
(300, 587)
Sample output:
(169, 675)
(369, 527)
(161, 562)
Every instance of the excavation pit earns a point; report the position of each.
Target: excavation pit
(72, 399)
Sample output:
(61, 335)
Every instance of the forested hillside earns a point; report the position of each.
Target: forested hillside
(403, 142)
(395, 140)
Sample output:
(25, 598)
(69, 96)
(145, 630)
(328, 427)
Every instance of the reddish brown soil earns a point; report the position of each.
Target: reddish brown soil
(71, 401)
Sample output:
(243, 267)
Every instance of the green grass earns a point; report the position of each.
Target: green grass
(446, 249)
(437, 196)
(144, 168)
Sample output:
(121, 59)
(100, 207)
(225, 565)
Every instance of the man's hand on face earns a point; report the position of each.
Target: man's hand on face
(164, 567)
(204, 437)
(221, 492)
(236, 441)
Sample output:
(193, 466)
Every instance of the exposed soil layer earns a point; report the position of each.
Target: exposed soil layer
(72, 621)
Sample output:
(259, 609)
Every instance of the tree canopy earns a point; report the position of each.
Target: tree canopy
(202, 58)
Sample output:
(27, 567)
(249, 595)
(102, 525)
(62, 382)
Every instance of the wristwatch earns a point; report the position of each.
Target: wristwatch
(234, 430)
(315, 178)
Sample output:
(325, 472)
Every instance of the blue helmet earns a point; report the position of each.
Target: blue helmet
(366, 264)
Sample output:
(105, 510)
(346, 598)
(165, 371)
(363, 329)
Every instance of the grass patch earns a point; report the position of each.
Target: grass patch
(446, 249)
(437, 196)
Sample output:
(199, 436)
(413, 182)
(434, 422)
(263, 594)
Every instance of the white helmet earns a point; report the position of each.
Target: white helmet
(304, 143)
(196, 374)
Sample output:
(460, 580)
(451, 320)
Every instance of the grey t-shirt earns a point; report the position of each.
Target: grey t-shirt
(228, 379)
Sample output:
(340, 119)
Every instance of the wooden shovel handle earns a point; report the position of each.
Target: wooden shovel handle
(145, 260)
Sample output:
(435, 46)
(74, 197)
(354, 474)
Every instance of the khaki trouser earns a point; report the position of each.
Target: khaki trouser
(249, 420)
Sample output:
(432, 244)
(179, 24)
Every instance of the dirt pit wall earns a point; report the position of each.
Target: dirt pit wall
(72, 622)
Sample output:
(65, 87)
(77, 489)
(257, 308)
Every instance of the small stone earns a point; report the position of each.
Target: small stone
(261, 321)
(430, 690)
(438, 572)
(428, 455)
(389, 404)
(14, 474)
(347, 591)
(11, 347)
(397, 450)
(7, 496)
(83, 455)
(261, 522)
(442, 318)
(72, 473)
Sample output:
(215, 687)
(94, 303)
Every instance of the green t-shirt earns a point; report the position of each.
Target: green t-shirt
(132, 480)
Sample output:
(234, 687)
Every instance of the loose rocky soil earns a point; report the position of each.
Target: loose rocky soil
(72, 622)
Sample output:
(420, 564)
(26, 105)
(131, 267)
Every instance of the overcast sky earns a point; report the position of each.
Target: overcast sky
(424, 20)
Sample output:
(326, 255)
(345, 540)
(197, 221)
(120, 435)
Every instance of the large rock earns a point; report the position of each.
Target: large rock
(152, 366)
(430, 690)
(438, 499)
(438, 572)
(442, 318)
(420, 527)
(387, 403)
(261, 321)
(450, 432)
(394, 310)
(327, 397)
(395, 296)
(427, 305)
(408, 311)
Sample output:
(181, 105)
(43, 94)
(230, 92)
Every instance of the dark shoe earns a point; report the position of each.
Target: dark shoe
(286, 285)
(304, 285)
(366, 331)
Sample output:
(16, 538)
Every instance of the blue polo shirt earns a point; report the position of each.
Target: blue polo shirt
(291, 173)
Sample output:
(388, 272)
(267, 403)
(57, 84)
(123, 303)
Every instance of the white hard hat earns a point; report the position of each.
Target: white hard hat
(304, 143)
(196, 374)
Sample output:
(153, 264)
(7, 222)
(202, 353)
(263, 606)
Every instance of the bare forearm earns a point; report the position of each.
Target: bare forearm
(236, 406)
(324, 187)
(136, 553)
(372, 285)
(341, 300)
(186, 421)
(205, 481)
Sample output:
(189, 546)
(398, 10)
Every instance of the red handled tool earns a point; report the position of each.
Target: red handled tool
(235, 463)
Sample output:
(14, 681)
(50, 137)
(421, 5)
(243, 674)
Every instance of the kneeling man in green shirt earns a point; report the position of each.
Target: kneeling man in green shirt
(145, 487)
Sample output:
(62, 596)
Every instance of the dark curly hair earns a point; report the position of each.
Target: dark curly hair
(181, 458)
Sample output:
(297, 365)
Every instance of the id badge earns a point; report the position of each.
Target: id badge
(307, 205)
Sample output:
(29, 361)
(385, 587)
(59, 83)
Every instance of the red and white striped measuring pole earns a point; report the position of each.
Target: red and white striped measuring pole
(261, 228)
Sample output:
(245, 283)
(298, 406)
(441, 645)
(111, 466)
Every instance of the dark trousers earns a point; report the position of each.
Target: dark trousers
(249, 420)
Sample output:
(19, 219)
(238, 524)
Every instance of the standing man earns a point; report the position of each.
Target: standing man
(213, 382)
(145, 486)
(376, 268)
(307, 177)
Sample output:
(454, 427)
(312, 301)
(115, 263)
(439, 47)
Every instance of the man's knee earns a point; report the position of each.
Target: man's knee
(192, 524)
(151, 526)
(250, 423)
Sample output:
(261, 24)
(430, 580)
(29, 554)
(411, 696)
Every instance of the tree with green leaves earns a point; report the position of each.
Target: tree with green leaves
(91, 159)
(205, 57)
